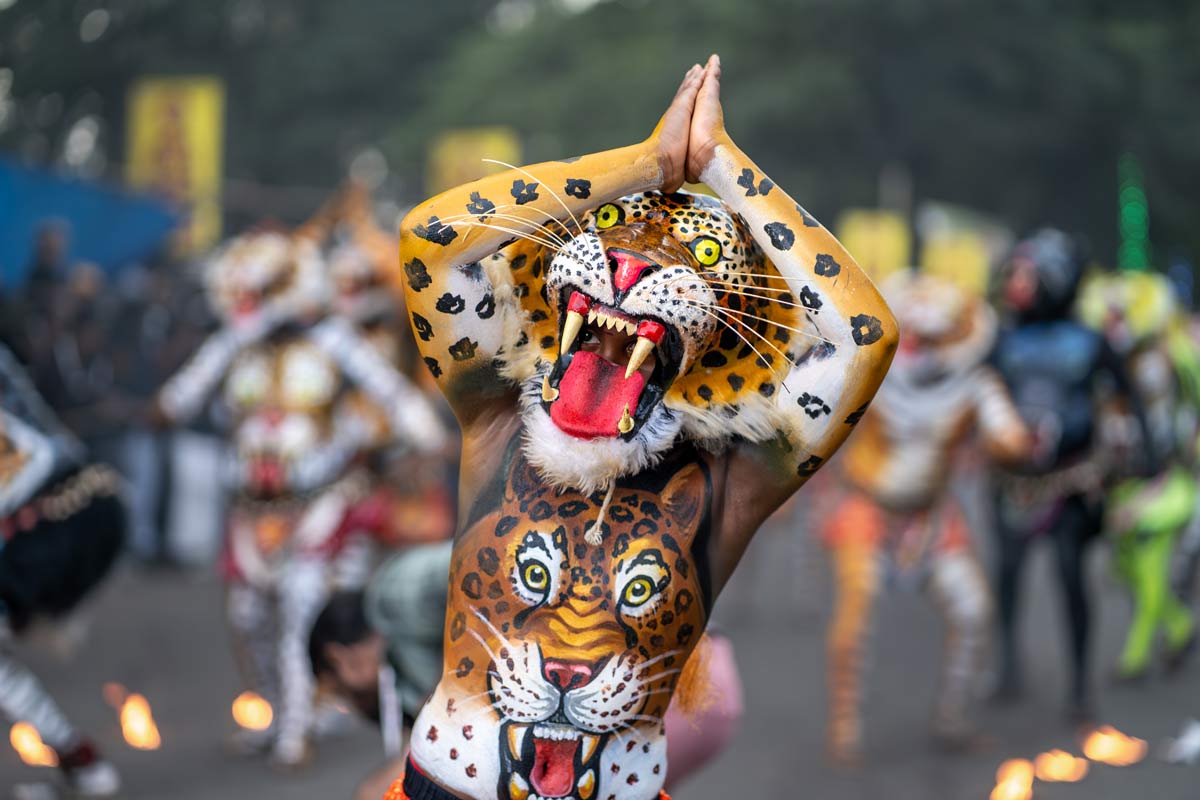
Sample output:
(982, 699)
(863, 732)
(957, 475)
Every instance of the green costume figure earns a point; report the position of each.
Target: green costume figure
(1138, 314)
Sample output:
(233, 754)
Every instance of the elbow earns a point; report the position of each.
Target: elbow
(884, 347)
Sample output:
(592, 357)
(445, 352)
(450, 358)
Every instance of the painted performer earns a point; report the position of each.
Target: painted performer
(282, 369)
(1054, 368)
(62, 525)
(411, 492)
(642, 376)
(1138, 315)
(896, 520)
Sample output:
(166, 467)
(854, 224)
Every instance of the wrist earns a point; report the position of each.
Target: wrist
(708, 156)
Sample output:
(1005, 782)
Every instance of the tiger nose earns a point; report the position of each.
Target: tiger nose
(629, 268)
(565, 674)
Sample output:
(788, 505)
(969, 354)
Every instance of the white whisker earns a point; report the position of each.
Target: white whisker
(519, 234)
(542, 184)
(483, 218)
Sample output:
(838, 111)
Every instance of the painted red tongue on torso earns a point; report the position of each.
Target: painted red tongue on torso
(553, 773)
(592, 396)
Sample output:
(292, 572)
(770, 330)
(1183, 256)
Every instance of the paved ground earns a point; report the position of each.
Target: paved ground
(161, 634)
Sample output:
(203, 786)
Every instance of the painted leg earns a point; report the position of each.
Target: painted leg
(23, 698)
(961, 593)
(856, 573)
(1141, 557)
(302, 593)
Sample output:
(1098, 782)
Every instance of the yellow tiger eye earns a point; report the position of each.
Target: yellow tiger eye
(536, 577)
(638, 592)
(608, 215)
(707, 251)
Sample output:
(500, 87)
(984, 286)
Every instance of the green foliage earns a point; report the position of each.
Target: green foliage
(1018, 109)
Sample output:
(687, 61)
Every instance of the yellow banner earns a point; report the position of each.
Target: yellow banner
(456, 156)
(960, 257)
(880, 241)
(175, 132)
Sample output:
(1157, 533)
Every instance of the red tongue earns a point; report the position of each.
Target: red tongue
(553, 772)
(592, 396)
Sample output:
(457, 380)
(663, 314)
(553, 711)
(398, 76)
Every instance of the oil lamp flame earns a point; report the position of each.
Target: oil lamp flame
(252, 712)
(30, 747)
(1014, 780)
(1107, 745)
(1059, 766)
(137, 724)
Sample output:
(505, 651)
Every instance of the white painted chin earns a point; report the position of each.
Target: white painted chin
(589, 465)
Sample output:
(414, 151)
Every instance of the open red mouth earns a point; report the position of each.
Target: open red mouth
(550, 760)
(590, 397)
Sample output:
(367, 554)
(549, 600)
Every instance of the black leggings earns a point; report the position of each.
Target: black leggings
(1078, 523)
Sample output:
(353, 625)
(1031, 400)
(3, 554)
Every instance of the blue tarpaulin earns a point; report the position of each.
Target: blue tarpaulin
(106, 226)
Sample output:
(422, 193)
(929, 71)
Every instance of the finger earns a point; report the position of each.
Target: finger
(710, 90)
(690, 78)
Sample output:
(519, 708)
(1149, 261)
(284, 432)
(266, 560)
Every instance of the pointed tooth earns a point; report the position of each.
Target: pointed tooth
(518, 789)
(587, 746)
(549, 393)
(516, 740)
(626, 423)
(586, 785)
(630, 328)
(571, 329)
(642, 349)
(592, 316)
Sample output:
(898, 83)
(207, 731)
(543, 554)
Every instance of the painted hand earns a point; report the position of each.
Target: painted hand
(708, 121)
(670, 136)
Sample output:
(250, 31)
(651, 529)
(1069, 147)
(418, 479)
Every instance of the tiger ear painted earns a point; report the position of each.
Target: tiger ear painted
(523, 481)
(684, 498)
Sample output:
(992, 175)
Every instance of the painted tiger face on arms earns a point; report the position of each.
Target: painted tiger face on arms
(562, 654)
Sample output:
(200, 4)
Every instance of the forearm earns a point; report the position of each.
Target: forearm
(855, 335)
(470, 222)
(185, 393)
(410, 414)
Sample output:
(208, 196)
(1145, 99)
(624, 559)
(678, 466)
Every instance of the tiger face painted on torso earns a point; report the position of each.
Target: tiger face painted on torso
(562, 654)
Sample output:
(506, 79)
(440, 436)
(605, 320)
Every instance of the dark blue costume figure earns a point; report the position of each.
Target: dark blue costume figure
(1053, 367)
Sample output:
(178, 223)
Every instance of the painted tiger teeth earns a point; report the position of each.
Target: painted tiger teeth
(556, 733)
(516, 740)
(549, 393)
(586, 785)
(587, 746)
(518, 789)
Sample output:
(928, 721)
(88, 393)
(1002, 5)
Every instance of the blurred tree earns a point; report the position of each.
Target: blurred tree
(1019, 109)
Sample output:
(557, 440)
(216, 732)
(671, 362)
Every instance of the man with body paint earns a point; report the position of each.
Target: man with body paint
(642, 376)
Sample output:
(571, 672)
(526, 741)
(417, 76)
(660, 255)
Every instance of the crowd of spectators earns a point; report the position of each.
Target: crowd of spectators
(98, 345)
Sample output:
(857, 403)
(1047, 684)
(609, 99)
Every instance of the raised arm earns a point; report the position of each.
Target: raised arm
(410, 414)
(458, 296)
(827, 390)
